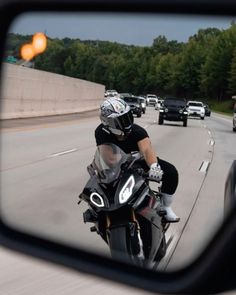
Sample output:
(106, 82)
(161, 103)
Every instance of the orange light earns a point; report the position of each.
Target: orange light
(39, 42)
(27, 51)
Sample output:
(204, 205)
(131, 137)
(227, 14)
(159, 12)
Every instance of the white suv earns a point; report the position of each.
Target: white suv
(111, 93)
(151, 99)
(196, 109)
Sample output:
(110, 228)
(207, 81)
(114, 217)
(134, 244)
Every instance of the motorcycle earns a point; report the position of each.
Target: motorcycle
(126, 212)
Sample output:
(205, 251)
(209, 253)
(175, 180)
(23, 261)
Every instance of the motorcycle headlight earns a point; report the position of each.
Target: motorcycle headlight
(127, 190)
(97, 200)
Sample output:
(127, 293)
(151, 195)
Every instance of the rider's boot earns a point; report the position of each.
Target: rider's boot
(170, 215)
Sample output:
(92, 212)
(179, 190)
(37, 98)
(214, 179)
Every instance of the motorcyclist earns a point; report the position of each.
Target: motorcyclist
(117, 127)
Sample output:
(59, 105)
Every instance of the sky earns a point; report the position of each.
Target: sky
(136, 29)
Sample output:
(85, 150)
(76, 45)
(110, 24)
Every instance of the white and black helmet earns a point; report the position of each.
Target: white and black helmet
(116, 116)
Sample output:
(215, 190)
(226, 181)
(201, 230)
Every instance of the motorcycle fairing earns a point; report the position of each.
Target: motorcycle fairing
(110, 192)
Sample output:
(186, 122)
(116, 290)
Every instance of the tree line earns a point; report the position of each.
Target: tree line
(203, 67)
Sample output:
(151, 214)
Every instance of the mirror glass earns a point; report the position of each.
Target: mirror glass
(52, 89)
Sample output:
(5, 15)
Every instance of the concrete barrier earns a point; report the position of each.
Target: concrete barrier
(32, 93)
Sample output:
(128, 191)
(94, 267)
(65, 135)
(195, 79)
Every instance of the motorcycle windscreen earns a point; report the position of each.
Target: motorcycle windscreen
(108, 160)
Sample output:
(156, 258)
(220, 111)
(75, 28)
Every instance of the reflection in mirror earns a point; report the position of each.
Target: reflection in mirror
(50, 100)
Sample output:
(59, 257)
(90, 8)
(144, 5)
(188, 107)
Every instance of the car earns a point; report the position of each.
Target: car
(207, 110)
(234, 118)
(234, 122)
(111, 93)
(151, 99)
(143, 104)
(158, 104)
(173, 109)
(196, 109)
(121, 95)
(234, 115)
(135, 104)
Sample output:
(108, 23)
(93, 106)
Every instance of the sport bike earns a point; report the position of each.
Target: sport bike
(125, 211)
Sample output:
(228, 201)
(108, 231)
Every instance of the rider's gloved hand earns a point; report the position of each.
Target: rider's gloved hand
(155, 172)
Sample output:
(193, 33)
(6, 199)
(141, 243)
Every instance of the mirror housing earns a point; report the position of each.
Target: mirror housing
(214, 270)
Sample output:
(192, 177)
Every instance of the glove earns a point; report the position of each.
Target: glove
(155, 172)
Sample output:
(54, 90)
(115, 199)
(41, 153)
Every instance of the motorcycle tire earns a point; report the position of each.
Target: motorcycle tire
(162, 250)
(121, 246)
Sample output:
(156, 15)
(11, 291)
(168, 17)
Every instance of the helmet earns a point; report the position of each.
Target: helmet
(116, 115)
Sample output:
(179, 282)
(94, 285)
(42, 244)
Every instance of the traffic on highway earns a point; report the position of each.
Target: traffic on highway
(47, 164)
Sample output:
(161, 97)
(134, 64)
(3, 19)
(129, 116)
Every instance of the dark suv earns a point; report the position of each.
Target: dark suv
(135, 104)
(173, 109)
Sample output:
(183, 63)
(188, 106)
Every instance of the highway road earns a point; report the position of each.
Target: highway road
(43, 169)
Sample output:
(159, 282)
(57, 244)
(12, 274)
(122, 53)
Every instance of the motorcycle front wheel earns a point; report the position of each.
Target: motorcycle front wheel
(124, 246)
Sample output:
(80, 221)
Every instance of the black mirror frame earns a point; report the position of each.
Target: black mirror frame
(214, 269)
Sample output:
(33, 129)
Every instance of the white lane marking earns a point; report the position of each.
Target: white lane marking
(62, 153)
(204, 166)
(211, 142)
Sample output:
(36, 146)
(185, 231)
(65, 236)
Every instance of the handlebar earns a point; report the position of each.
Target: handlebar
(141, 172)
(136, 155)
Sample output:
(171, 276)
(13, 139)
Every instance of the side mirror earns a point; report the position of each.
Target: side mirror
(213, 271)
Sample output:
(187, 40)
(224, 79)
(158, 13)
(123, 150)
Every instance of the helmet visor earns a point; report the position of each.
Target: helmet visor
(123, 122)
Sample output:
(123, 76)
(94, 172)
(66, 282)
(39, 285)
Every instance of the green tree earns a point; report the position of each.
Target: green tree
(53, 58)
(216, 70)
(69, 68)
(232, 76)
(189, 69)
